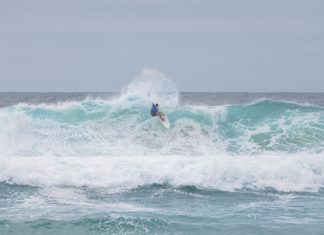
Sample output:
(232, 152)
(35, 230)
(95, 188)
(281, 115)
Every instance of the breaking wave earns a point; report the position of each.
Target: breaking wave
(116, 143)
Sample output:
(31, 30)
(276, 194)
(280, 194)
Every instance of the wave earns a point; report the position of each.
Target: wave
(226, 173)
(123, 126)
(116, 143)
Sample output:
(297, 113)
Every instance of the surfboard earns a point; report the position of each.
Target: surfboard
(166, 122)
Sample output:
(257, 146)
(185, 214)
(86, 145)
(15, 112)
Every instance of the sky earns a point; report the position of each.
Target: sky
(215, 46)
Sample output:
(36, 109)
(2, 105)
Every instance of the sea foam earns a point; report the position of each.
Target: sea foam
(228, 173)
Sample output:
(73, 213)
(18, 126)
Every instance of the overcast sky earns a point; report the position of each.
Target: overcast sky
(100, 45)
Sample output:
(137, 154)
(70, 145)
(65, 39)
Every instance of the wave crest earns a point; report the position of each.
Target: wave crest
(124, 127)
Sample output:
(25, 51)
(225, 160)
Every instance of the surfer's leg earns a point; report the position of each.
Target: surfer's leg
(161, 115)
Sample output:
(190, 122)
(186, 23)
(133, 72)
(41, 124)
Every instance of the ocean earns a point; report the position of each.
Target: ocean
(98, 163)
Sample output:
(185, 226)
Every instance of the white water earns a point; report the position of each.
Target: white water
(282, 173)
(117, 144)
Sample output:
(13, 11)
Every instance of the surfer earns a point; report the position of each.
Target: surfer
(155, 112)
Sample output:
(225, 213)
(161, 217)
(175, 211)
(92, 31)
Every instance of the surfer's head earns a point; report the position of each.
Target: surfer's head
(157, 104)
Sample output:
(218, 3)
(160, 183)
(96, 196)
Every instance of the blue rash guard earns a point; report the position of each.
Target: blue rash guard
(154, 109)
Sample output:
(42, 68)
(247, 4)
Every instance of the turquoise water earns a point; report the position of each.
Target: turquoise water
(162, 209)
(231, 163)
